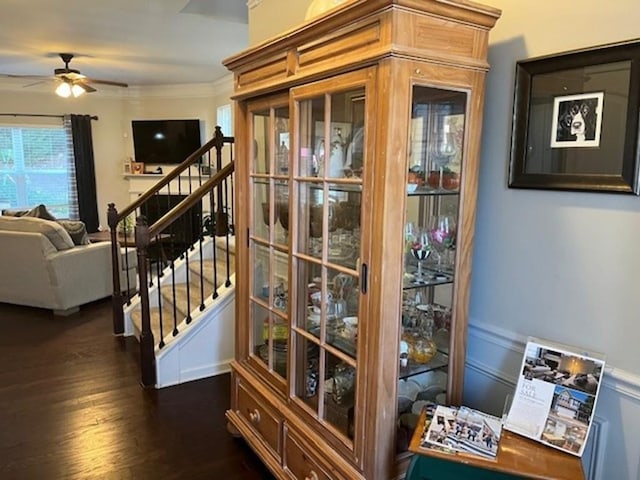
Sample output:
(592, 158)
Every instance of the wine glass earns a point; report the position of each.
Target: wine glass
(421, 249)
(442, 233)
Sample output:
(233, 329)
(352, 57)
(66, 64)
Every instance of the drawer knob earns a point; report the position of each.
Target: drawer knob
(255, 416)
(312, 476)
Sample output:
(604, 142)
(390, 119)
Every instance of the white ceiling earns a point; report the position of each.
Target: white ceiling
(139, 42)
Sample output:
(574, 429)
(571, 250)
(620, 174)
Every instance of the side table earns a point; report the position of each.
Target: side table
(518, 458)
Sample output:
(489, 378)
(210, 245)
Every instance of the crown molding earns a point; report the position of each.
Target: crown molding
(253, 3)
(222, 86)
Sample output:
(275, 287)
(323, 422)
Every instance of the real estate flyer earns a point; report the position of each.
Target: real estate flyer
(463, 430)
(556, 394)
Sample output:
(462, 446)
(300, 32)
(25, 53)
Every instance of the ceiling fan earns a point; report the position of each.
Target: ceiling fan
(71, 81)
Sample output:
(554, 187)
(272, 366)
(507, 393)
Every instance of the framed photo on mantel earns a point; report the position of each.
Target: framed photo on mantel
(575, 120)
(137, 168)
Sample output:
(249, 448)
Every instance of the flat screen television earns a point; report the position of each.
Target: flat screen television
(165, 141)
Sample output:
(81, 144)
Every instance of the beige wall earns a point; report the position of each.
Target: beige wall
(271, 17)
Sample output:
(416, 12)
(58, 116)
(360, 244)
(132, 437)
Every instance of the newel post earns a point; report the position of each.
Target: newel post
(147, 353)
(117, 299)
(222, 221)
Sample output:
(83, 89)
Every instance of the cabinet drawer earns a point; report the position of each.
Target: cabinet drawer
(261, 417)
(299, 463)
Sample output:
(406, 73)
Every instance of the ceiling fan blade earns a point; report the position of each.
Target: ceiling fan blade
(33, 77)
(105, 82)
(33, 84)
(87, 88)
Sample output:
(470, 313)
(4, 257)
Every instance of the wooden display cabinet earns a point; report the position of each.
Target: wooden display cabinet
(357, 141)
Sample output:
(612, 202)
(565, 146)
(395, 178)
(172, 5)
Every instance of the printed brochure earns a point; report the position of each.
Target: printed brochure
(556, 394)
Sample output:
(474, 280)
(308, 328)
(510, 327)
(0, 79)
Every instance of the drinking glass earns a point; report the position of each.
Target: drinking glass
(442, 233)
(421, 249)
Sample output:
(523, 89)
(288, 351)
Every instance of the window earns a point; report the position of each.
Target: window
(36, 166)
(224, 121)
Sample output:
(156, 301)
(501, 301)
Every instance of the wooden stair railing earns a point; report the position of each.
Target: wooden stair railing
(183, 224)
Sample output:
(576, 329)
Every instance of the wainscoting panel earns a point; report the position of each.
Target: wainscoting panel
(493, 362)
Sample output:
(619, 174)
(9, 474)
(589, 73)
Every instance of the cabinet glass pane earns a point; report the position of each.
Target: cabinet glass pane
(271, 337)
(281, 140)
(261, 163)
(342, 311)
(310, 112)
(307, 361)
(280, 282)
(264, 216)
(436, 139)
(339, 394)
(279, 342)
(309, 311)
(260, 332)
(310, 219)
(435, 166)
(281, 194)
(344, 226)
(261, 273)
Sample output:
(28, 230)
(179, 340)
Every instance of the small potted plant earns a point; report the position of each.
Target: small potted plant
(444, 178)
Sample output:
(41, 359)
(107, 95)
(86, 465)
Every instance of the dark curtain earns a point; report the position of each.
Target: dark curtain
(85, 171)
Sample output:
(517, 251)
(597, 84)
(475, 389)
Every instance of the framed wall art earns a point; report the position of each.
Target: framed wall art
(575, 120)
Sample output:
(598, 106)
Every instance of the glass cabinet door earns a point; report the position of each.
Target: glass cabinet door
(326, 247)
(268, 240)
(435, 161)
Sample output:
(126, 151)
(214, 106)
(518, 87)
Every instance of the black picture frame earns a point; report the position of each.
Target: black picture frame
(575, 120)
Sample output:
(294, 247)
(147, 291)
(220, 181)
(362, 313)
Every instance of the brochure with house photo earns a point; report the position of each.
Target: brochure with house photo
(462, 430)
(556, 395)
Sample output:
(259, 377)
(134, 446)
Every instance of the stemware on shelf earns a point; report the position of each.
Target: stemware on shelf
(421, 249)
(442, 233)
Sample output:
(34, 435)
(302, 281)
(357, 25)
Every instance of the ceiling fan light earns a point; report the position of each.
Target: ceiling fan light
(77, 90)
(63, 90)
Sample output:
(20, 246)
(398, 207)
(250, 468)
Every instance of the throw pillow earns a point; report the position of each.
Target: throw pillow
(77, 230)
(40, 212)
(7, 212)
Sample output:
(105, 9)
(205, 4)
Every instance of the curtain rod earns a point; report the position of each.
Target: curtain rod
(93, 117)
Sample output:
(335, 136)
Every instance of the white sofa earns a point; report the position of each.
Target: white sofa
(41, 266)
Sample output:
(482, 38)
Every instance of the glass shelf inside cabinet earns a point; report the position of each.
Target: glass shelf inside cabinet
(441, 359)
(428, 278)
(414, 190)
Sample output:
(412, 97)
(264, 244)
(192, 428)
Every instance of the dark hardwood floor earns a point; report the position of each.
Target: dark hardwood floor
(71, 407)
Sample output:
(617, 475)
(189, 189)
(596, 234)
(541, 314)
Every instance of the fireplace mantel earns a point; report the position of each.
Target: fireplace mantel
(140, 183)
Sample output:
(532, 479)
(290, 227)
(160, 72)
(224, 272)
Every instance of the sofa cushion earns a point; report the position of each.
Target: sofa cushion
(77, 230)
(56, 234)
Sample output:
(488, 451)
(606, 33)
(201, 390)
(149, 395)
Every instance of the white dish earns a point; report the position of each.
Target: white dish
(411, 187)
(417, 407)
(408, 389)
(350, 321)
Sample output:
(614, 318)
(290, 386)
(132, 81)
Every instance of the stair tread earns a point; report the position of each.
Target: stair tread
(167, 321)
(194, 290)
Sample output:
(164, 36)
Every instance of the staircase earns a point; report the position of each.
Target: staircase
(182, 309)
(200, 343)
